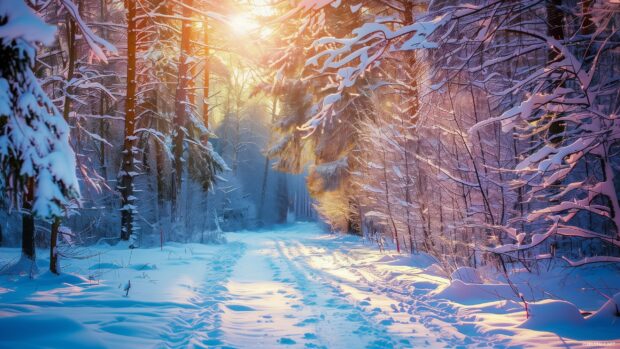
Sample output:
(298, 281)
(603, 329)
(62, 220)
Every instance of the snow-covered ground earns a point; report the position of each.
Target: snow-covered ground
(296, 287)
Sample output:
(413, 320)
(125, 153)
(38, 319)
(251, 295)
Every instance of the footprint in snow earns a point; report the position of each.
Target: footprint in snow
(387, 322)
(355, 317)
(307, 322)
(239, 307)
(286, 341)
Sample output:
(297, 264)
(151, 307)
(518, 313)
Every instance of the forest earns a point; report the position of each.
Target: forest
(309, 173)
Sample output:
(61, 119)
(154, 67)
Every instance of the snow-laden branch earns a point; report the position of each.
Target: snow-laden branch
(351, 57)
(591, 260)
(97, 44)
(20, 22)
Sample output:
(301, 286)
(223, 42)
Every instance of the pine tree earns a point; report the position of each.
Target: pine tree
(36, 159)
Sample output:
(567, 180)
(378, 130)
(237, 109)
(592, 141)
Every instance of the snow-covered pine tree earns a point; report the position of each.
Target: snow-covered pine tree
(328, 179)
(76, 81)
(36, 159)
(204, 163)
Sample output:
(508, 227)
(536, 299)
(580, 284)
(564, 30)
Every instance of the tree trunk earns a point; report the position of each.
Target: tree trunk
(127, 166)
(72, 47)
(54, 265)
(282, 200)
(555, 29)
(180, 117)
(160, 169)
(207, 77)
(164, 9)
(389, 206)
(263, 191)
(588, 28)
(71, 32)
(102, 133)
(28, 246)
(103, 107)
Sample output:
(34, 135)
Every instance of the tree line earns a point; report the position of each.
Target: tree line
(480, 132)
(107, 125)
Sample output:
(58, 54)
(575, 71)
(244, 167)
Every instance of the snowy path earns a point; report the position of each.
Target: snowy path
(276, 298)
(293, 287)
(301, 290)
(200, 325)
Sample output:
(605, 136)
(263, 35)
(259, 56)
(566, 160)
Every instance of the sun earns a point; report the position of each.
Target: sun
(250, 21)
(243, 24)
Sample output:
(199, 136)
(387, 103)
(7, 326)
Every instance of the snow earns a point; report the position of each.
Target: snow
(467, 274)
(314, 4)
(23, 24)
(476, 293)
(96, 44)
(295, 286)
(51, 330)
(564, 319)
(553, 313)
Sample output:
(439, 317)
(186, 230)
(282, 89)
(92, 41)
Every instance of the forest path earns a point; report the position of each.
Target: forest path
(296, 287)
(291, 286)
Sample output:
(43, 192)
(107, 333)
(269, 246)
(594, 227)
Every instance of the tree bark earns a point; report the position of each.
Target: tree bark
(164, 9)
(389, 206)
(102, 133)
(72, 48)
(54, 265)
(263, 191)
(555, 29)
(71, 32)
(127, 166)
(28, 232)
(180, 117)
(160, 169)
(207, 77)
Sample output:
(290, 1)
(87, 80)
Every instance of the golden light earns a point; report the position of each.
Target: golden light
(250, 21)
(243, 24)
(198, 25)
(263, 7)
